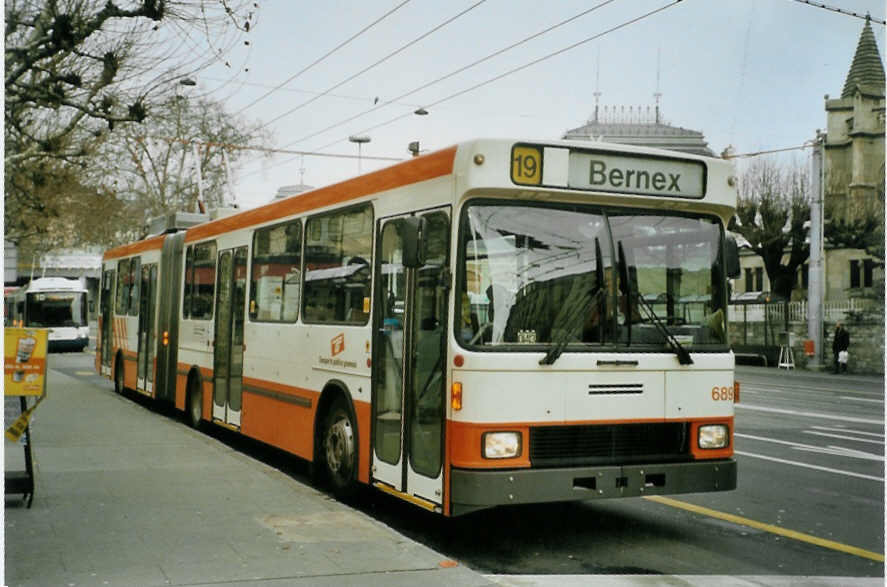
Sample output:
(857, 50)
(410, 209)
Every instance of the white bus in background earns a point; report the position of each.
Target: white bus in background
(56, 303)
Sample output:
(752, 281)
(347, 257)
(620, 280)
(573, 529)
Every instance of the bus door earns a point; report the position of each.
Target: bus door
(409, 382)
(147, 325)
(107, 326)
(228, 356)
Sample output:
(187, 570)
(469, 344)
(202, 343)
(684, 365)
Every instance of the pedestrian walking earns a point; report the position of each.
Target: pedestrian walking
(840, 347)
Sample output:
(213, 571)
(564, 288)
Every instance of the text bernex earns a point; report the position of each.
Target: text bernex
(628, 178)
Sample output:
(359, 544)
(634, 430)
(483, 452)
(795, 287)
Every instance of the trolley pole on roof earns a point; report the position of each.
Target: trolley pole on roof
(815, 289)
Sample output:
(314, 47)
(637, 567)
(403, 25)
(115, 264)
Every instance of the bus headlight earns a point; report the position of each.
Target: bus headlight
(714, 436)
(501, 445)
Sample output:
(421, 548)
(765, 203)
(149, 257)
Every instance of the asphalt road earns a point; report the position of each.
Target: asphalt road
(810, 500)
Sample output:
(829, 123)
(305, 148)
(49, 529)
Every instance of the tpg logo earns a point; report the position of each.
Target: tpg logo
(337, 345)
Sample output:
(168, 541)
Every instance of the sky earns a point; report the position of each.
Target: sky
(751, 74)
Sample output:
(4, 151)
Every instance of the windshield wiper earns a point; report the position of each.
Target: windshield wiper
(684, 357)
(572, 323)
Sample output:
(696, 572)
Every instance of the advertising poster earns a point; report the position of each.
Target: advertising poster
(24, 361)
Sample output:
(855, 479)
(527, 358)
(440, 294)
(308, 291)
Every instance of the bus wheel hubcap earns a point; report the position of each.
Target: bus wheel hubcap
(339, 445)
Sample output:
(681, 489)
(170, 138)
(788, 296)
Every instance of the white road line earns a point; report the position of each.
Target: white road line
(860, 399)
(860, 432)
(808, 414)
(837, 450)
(808, 466)
(829, 391)
(842, 437)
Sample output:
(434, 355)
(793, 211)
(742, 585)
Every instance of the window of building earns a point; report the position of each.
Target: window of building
(200, 281)
(276, 273)
(862, 272)
(754, 279)
(338, 261)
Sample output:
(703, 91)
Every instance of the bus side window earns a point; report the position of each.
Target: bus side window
(189, 279)
(276, 282)
(121, 306)
(135, 273)
(200, 281)
(338, 257)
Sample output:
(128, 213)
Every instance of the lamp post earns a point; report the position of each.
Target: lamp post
(360, 140)
(413, 147)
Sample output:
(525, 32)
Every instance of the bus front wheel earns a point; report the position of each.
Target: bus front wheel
(340, 449)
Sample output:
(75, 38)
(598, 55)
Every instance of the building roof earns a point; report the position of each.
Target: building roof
(642, 130)
(867, 68)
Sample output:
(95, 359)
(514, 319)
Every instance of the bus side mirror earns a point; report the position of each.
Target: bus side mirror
(731, 253)
(413, 234)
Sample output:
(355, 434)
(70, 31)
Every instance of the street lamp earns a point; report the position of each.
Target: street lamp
(413, 147)
(360, 140)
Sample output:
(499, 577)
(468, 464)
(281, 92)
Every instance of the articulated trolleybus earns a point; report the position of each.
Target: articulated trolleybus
(494, 323)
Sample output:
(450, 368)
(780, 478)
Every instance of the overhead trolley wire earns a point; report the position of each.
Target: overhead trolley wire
(455, 72)
(378, 62)
(323, 57)
(841, 11)
(500, 76)
(519, 68)
(208, 144)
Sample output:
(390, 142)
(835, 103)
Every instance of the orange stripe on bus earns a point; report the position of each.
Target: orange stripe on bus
(149, 244)
(413, 171)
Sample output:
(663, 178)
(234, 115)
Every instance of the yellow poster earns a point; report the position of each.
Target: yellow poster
(24, 361)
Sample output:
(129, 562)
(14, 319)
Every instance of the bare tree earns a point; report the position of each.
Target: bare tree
(77, 213)
(771, 213)
(77, 69)
(155, 165)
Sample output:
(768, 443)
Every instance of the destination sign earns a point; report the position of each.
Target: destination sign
(652, 176)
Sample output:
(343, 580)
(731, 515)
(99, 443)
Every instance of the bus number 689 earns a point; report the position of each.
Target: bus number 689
(723, 394)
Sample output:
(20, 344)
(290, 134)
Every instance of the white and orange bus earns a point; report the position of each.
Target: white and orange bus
(499, 322)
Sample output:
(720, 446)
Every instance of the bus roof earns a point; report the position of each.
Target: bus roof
(442, 163)
(53, 284)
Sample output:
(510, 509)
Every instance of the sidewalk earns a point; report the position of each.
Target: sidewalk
(125, 496)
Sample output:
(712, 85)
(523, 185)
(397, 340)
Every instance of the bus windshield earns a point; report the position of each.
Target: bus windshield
(583, 278)
(56, 309)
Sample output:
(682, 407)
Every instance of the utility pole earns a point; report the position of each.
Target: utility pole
(815, 289)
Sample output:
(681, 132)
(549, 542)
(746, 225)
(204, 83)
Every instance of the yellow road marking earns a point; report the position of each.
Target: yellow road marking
(85, 373)
(831, 544)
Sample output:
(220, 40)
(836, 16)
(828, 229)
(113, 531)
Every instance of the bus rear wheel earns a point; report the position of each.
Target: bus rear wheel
(118, 376)
(339, 449)
(195, 403)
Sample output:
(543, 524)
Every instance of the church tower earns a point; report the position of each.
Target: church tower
(854, 145)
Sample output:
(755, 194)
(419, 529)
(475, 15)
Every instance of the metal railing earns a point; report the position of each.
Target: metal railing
(797, 311)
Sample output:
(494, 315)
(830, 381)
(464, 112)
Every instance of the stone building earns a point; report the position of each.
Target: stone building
(854, 183)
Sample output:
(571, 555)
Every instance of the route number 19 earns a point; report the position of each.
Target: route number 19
(526, 166)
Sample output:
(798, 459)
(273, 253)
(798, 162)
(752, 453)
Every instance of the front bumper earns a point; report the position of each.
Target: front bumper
(477, 489)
